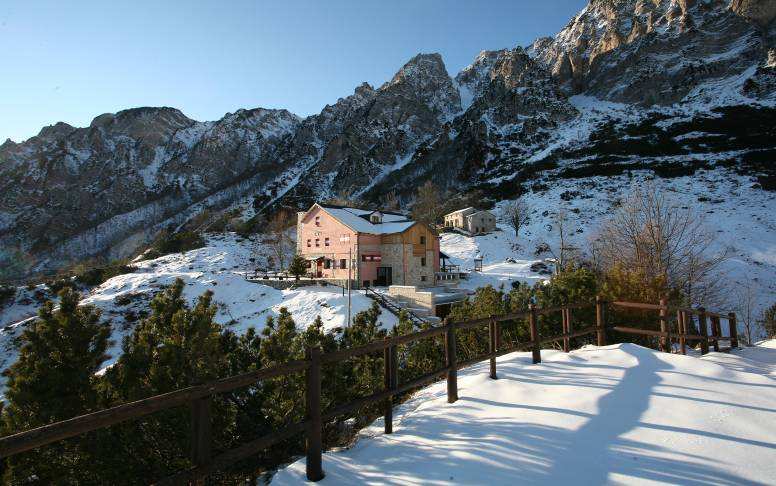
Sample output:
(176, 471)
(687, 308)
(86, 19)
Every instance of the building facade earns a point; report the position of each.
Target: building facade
(371, 248)
(471, 220)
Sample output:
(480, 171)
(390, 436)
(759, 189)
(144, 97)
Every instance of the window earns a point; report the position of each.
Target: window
(422, 240)
(309, 243)
(422, 278)
(371, 258)
(317, 242)
(423, 262)
(327, 263)
(375, 218)
(317, 221)
(325, 242)
(366, 283)
(343, 263)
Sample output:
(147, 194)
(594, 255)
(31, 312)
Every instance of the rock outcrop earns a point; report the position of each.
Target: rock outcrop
(68, 193)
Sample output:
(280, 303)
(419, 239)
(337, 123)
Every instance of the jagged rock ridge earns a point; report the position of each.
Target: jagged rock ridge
(502, 122)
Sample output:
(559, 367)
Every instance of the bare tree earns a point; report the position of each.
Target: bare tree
(563, 253)
(515, 214)
(665, 244)
(428, 204)
(746, 303)
(391, 201)
(282, 245)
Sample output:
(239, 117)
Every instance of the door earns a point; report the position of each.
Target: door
(384, 276)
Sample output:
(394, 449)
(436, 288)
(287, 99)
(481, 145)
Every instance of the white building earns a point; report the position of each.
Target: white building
(471, 220)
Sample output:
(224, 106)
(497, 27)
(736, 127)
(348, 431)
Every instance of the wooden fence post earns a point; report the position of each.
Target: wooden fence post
(682, 330)
(201, 433)
(388, 381)
(452, 364)
(492, 346)
(703, 330)
(665, 341)
(599, 320)
(566, 314)
(537, 355)
(715, 331)
(314, 461)
(498, 335)
(733, 330)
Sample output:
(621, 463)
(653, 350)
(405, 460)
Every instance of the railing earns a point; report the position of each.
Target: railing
(199, 397)
(681, 334)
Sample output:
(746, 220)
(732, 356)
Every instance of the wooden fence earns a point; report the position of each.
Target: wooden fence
(199, 397)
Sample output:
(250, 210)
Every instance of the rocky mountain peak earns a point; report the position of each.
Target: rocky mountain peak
(425, 78)
(474, 78)
(55, 131)
(515, 68)
(364, 89)
(158, 122)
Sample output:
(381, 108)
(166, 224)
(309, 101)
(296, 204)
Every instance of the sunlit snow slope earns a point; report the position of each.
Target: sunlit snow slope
(617, 414)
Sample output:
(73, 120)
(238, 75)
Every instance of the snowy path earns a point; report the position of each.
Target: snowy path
(619, 414)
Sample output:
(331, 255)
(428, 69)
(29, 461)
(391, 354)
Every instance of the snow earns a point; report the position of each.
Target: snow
(330, 302)
(352, 218)
(614, 414)
(220, 267)
(494, 249)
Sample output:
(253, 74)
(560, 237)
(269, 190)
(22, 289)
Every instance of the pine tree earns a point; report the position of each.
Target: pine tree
(175, 347)
(298, 266)
(53, 380)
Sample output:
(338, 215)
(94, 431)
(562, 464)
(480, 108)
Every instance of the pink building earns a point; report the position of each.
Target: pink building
(373, 248)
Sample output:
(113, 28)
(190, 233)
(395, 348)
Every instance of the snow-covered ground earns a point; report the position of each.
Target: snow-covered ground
(220, 267)
(618, 414)
(738, 214)
(494, 249)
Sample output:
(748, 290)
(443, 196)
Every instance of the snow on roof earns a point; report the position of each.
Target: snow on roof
(358, 220)
(464, 210)
(479, 212)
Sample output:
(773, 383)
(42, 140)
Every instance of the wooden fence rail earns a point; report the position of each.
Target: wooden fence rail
(199, 397)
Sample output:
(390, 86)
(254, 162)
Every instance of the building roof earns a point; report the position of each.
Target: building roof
(480, 212)
(358, 220)
(466, 211)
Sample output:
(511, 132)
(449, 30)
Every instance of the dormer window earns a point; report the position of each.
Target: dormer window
(376, 217)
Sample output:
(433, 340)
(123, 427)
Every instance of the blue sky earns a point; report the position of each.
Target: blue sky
(71, 61)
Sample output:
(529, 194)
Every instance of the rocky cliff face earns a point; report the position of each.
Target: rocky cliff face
(127, 171)
(654, 51)
(361, 138)
(661, 85)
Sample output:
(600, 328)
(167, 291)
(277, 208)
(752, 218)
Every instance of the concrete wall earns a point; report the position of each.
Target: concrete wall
(411, 293)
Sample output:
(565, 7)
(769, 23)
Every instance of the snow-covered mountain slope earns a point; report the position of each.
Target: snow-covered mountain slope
(698, 87)
(73, 192)
(352, 144)
(616, 414)
(666, 86)
(220, 267)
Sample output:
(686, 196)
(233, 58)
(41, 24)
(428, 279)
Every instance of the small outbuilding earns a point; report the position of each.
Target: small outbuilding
(471, 220)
